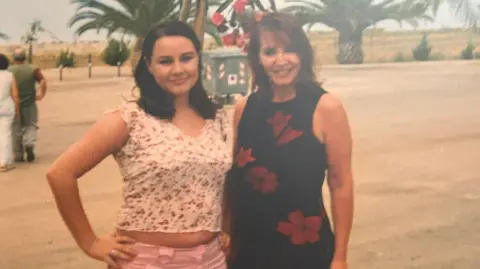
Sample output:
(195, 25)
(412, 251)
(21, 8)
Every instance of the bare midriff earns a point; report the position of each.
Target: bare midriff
(173, 240)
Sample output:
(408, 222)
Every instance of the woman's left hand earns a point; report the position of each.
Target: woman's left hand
(225, 241)
(339, 264)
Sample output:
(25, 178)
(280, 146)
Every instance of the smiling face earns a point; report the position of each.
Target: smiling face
(174, 64)
(279, 61)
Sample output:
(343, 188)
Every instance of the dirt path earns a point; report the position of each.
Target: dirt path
(416, 159)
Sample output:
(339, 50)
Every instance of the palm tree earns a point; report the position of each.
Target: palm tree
(199, 22)
(131, 17)
(31, 36)
(4, 36)
(135, 17)
(185, 10)
(350, 18)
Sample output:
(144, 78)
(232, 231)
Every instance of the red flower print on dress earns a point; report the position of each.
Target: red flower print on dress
(279, 122)
(301, 229)
(288, 136)
(263, 180)
(244, 157)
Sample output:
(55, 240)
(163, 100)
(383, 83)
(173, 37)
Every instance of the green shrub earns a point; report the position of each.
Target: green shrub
(438, 56)
(467, 52)
(66, 59)
(399, 57)
(116, 52)
(422, 51)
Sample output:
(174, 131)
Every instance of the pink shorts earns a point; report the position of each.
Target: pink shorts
(208, 256)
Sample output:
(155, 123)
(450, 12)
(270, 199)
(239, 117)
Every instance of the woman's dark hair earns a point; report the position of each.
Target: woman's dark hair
(155, 100)
(287, 30)
(4, 63)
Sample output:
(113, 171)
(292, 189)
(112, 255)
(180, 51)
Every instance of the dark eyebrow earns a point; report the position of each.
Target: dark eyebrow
(190, 53)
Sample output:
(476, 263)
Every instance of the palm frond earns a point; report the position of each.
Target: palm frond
(131, 16)
(358, 14)
(4, 36)
(309, 13)
(211, 30)
(467, 11)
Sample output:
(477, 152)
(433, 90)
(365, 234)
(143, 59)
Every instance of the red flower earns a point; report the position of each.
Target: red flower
(289, 135)
(245, 49)
(279, 122)
(244, 157)
(301, 229)
(239, 6)
(217, 18)
(263, 180)
(228, 39)
(242, 40)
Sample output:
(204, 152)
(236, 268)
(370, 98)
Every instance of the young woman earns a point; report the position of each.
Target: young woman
(9, 108)
(290, 133)
(171, 151)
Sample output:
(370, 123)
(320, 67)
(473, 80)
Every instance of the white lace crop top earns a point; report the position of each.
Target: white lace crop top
(172, 182)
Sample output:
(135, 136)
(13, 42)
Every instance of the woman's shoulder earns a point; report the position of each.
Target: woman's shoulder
(6, 79)
(6, 74)
(128, 110)
(329, 104)
(242, 103)
(312, 89)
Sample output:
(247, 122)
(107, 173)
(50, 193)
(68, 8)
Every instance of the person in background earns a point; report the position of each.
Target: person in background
(289, 135)
(171, 148)
(9, 109)
(25, 127)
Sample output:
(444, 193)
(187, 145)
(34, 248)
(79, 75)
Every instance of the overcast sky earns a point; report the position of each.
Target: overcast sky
(16, 14)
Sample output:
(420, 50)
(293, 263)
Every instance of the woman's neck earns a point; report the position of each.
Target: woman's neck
(182, 102)
(282, 94)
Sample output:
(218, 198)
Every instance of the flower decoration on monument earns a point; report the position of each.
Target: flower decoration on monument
(231, 19)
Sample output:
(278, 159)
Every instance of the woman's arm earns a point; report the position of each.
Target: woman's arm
(337, 138)
(105, 137)
(43, 84)
(237, 115)
(15, 97)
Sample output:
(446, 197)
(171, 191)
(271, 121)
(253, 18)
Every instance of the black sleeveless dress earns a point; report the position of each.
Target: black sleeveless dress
(279, 220)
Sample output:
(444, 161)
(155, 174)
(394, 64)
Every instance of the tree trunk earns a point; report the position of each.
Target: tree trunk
(185, 10)
(273, 5)
(199, 25)
(137, 53)
(30, 52)
(350, 49)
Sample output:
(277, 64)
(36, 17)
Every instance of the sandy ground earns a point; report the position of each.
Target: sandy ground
(416, 134)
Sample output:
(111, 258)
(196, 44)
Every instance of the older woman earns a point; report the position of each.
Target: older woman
(290, 135)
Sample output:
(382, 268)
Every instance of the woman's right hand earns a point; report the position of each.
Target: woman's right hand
(111, 249)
